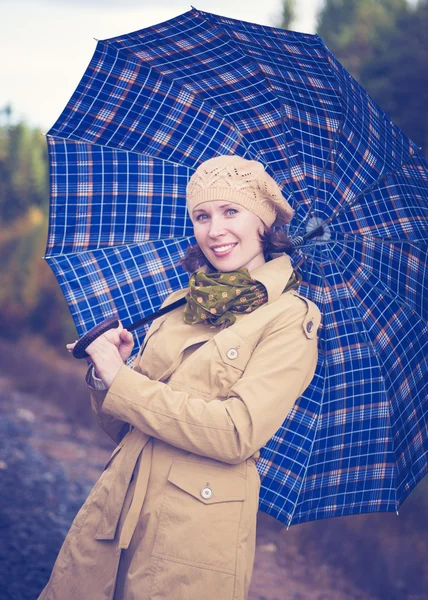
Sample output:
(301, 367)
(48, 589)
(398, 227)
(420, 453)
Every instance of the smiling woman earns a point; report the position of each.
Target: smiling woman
(174, 512)
(236, 214)
(229, 235)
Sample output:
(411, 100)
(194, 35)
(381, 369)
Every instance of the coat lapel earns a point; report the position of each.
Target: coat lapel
(195, 340)
(162, 357)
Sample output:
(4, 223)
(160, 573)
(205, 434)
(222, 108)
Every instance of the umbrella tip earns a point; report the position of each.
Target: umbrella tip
(96, 39)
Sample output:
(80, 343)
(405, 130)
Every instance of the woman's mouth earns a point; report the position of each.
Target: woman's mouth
(223, 250)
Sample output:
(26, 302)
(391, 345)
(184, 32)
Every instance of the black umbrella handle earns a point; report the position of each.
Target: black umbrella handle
(79, 350)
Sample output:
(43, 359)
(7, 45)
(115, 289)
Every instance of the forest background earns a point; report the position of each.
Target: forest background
(383, 43)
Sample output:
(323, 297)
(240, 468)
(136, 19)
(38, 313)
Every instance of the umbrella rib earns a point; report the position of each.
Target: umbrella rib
(383, 240)
(343, 207)
(334, 141)
(189, 90)
(189, 238)
(358, 236)
(322, 397)
(374, 353)
(91, 143)
(382, 292)
(365, 191)
(397, 503)
(262, 76)
(337, 135)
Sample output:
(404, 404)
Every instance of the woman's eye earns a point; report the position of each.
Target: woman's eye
(201, 217)
(231, 211)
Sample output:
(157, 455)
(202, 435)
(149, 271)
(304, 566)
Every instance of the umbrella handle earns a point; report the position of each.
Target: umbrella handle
(79, 350)
(112, 322)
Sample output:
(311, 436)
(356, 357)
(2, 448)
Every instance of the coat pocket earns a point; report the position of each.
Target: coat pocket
(200, 516)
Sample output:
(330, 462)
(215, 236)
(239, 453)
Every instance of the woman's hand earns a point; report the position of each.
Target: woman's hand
(122, 339)
(108, 352)
(106, 359)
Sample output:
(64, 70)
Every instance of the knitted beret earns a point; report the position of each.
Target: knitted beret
(244, 182)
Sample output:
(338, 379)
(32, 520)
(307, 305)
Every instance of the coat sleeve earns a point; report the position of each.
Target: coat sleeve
(279, 370)
(115, 428)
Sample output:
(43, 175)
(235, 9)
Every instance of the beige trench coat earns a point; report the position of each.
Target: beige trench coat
(173, 516)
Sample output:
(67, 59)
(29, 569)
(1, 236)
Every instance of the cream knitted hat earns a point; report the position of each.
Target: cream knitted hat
(238, 180)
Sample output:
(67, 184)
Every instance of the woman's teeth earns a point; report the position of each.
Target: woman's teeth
(223, 248)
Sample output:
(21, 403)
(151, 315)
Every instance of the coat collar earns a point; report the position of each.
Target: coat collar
(274, 275)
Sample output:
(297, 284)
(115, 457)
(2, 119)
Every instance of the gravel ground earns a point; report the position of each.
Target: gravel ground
(38, 503)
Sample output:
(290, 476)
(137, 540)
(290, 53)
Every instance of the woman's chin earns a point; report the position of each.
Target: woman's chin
(225, 264)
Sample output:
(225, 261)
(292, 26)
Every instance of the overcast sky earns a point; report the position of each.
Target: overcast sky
(47, 44)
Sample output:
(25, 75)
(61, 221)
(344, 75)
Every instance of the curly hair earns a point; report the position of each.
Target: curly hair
(274, 240)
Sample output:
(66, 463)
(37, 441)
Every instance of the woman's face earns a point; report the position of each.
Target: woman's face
(228, 235)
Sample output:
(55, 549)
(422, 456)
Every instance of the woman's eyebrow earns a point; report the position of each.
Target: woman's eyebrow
(220, 206)
(224, 205)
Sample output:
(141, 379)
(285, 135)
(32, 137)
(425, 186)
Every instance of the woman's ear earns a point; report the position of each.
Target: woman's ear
(262, 228)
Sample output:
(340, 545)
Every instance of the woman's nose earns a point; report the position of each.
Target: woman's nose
(217, 228)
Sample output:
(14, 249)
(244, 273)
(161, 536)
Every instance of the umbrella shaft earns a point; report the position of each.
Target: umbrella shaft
(155, 315)
(299, 240)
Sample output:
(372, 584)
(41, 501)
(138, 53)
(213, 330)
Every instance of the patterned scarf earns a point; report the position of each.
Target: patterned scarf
(214, 297)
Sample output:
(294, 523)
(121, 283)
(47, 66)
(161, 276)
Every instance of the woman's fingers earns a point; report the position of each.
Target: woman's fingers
(126, 344)
(118, 337)
(126, 337)
(113, 335)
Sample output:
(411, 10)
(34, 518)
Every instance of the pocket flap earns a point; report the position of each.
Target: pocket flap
(208, 484)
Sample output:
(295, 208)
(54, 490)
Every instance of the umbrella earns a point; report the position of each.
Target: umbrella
(155, 103)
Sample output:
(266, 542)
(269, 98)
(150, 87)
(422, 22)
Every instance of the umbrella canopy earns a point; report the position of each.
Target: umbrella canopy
(155, 103)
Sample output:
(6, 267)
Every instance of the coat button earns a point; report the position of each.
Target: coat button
(309, 326)
(206, 493)
(232, 353)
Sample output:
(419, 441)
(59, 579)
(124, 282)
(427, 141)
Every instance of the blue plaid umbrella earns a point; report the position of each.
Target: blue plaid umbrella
(155, 103)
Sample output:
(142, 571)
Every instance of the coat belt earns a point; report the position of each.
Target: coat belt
(114, 504)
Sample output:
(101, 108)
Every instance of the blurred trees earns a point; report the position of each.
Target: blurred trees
(397, 75)
(383, 44)
(288, 14)
(23, 171)
(349, 28)
(30, 298)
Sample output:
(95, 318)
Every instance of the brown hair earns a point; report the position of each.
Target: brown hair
(274, 240)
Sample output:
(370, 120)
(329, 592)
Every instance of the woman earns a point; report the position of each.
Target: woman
(174, 513)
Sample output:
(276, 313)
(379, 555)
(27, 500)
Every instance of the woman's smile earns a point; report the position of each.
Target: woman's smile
(223, 250)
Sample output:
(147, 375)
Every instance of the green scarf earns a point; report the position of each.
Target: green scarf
(214, 297)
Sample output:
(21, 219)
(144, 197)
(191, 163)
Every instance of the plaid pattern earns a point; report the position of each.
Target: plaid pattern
(155, 103)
